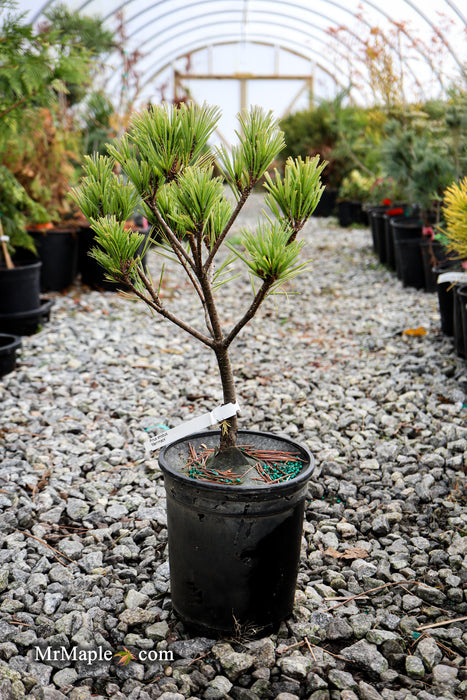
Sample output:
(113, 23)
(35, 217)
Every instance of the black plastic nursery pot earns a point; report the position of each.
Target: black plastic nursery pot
(327, 204)
(462, 297)
(349, 211)
(9, 344)
(410, 262)
(344, 213)
(58, 251)
(369, 210)
(20, 287)
(22, 310)
(405, 228)
(378, 230)
(445, 290)
(234, 550)
(92, 273)
(27, 322)
(460, 319)
(388, 217)
(433, 253)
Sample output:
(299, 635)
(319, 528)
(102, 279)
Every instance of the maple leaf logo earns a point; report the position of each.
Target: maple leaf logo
(126, 657)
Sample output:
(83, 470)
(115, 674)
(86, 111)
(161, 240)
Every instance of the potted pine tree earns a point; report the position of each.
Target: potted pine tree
(235, 498)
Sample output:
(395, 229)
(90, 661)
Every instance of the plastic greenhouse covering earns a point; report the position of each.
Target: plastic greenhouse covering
(277, 53)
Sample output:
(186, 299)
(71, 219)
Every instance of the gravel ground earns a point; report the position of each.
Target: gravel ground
(83, 554)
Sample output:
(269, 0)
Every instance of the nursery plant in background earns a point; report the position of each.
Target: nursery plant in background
(235, 498)
(46, 159)
(31, 75)
(313, 132)
(44, 75)
(355, 189)
(455, 218)
(348, 136)
(416, 153)
(452, 284)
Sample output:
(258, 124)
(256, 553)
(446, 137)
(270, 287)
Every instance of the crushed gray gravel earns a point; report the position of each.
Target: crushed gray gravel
(83, 539)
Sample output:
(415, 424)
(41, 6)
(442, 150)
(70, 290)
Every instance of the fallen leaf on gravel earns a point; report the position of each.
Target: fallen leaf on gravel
(351, 553)
(415, 331)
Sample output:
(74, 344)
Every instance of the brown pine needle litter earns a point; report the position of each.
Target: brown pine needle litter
(55, 552)
(271, 466)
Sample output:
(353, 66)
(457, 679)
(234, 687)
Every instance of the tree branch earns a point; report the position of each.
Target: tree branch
(185, 261)
(18, 103)
(296, 228)
(177, 247)
(251, 311)
(155, 303)
(195, 274)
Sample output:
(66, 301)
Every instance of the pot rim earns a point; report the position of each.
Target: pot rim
(22, 265)
(406, 222)
(45, 306)
(311, 469)
(55, 230)
(13, 342)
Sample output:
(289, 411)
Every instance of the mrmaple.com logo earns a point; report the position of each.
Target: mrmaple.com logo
(91, 656)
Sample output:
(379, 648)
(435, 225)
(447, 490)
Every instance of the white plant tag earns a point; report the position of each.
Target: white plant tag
(452, 277)
(195, 425)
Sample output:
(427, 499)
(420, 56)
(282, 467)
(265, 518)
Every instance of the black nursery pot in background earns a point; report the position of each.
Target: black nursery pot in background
(433, 253)
(379, 232)
(92, 273)
(234, 550)
(344, 213)
(410, 262)
(460, 319)
(369, 209)
(407, 233)
(327, 204)
(20, 287)
(22, 310)
(445, 289)
(392, 214)
(57, 249)
(9, 344)
(349, 211)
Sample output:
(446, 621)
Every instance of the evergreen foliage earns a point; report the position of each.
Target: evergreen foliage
(455, 217)
(42, 72)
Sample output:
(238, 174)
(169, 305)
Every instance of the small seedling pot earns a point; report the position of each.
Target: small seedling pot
(234, 550)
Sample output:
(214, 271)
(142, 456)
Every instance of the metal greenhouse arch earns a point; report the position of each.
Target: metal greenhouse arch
(289, 25)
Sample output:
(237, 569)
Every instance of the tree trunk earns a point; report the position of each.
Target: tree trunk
(230, 428)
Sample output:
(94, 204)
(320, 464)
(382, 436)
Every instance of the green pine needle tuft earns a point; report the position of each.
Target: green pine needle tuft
(294, 197)
(269, 253)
